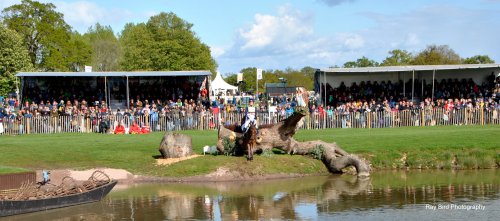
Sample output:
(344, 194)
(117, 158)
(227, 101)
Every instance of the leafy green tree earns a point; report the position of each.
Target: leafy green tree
(397, 58)
(350, 64)
(250, 78)
(44, 33)
(79, 53)
(436, 55)
(308, 71)
(361, 62)
(232, 79)
(299, 78)
(106, 49)
(479, 59)
(165, 42)
(13, 58)
(296, 78)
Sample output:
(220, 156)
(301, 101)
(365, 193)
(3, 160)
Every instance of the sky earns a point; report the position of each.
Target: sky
(282, 34)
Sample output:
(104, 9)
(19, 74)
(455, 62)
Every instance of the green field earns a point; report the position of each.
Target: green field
(429, 147)
(7, 169)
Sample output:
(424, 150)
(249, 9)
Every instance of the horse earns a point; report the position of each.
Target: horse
(250, 139)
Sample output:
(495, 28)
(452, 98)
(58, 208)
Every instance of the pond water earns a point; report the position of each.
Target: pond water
(387, 195)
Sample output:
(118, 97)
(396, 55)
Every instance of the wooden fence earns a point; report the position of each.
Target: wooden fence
(15, 180)
(210, 121)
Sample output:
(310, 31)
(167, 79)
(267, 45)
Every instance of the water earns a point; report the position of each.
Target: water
(393, 195)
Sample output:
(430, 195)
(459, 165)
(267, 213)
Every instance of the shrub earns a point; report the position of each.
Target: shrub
(317, 152)
(229, 147)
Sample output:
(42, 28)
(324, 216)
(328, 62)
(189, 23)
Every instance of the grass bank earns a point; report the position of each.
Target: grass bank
(466, 147)
(7, 169)
(415, 147)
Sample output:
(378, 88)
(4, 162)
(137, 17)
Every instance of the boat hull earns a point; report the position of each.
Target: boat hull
(13, 207)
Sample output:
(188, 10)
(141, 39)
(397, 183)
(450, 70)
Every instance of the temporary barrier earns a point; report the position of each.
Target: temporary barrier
(211, 121)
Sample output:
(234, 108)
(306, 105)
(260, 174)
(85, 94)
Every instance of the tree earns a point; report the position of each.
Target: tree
(280, 136)
(302, 78)
(308, 71)
(479, 59)
(79, 53)
(397, 58)
(13, 58)
(295, 78)
(106, 49)
(436, 55)
(361, 62)
(43, 30)
(165, 42)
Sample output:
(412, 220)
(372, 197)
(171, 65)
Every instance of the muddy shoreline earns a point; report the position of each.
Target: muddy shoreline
(123, 176)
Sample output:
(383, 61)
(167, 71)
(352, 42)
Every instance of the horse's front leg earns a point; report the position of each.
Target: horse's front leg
(250, 152)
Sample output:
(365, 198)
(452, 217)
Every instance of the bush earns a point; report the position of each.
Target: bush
(229, 147)
(268, 153)
(317, 152)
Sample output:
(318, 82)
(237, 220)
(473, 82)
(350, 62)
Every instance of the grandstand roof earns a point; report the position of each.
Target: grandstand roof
(115, 74)
(409, 68)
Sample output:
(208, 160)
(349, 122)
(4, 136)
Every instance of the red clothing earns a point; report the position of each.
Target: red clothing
(120, 129)
(135, 129)
(145, 130)
(215, 110)
(321, 111)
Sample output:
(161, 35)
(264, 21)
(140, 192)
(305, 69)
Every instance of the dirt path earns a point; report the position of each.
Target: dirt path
(57, 175)
(169, 161)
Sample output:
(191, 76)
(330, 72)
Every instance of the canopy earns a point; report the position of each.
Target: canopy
(219, 85)
(409, 68)
(115, 74)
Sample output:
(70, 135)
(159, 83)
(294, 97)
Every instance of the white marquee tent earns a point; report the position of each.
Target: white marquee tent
(220, 87)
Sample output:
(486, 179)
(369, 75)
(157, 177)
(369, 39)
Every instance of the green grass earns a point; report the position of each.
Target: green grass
(425, 147)
(429, 147)
(7, 169)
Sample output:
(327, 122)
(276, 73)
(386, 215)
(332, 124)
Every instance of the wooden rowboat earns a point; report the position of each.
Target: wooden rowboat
(96, 193)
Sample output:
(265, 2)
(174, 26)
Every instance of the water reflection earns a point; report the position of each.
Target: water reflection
(396, 193)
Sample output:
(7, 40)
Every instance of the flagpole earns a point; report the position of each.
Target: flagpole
(259, 76)
(257, 89)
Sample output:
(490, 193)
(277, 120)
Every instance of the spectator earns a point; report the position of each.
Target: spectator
(120, 129)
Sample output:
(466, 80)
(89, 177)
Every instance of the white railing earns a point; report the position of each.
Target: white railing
(210, 121)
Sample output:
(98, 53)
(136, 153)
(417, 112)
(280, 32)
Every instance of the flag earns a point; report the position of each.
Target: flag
(239, 77)
(259, 74)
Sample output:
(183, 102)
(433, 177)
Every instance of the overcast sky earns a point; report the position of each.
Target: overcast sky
(319, 33)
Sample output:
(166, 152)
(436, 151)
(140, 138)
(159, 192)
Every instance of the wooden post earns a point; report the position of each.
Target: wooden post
(368, 120)
(423, 117)
(28, 125)
(482, 115)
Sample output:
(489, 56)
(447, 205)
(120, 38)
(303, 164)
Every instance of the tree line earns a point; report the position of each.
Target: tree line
(35, 37)
(431, 55)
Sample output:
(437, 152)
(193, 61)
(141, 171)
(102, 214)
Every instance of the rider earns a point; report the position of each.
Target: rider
(249, 116)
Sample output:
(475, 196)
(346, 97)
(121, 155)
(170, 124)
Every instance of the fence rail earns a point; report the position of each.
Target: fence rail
(211, 121)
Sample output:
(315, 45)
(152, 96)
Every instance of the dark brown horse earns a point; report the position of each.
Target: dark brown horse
(250, 140)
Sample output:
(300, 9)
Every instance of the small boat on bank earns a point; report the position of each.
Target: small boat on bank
(29, 199)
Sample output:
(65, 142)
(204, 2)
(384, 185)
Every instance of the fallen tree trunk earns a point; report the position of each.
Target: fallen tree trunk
(280, 136)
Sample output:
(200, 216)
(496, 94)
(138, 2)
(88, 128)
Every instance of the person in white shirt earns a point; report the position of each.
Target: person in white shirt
(249, 116)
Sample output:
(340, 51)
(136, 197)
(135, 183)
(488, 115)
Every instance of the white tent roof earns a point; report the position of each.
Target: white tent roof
(220, 84)
(410, 68)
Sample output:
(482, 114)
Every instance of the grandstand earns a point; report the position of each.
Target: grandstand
(116, 89)
(414, 81)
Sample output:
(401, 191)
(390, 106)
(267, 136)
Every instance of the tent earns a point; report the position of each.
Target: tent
(219, 87)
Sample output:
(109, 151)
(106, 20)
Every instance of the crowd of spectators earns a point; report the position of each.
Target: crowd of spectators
(363, 97)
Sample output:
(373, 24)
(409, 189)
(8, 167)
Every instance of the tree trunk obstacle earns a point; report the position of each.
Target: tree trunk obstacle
(280, 136)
